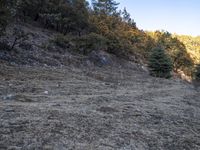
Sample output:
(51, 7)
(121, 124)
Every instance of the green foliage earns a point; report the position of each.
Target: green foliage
(160, 64)
(119, 46)
(176, 49)
(81, 16)
(91, 42)
(82, 44)
(197, 72)
(192, 45)
(74, 17)
(127, 18)
(102, 27)
(63, 15)
(118, 30)
(29, 9)
(63, 41)
(105, 7)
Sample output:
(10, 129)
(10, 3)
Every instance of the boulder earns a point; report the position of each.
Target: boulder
(100, 58)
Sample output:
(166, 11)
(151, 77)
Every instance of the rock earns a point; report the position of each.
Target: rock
(47, 147)
(46, 92)
(8, 97)
(9, 110)
(10, 84)
(14, 148)
(100, 58)
(107, 84)
(144, 68)
(107, 110)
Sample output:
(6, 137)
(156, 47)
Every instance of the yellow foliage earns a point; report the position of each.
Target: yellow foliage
(192, 45)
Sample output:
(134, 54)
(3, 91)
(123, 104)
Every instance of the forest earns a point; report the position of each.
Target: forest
(85, 27)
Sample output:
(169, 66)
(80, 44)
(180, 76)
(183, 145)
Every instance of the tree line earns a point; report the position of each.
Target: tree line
(101, 26)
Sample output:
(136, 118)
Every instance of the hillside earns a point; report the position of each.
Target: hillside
(76, 76)
(99, 26)
(96, 109)
(192, 45)
(82, 103)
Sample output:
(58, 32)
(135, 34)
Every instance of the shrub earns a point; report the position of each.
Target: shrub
(160, 64)
(65, 16)
(81, 44)
(63, 41)
(197, 72)
(29, 9)
(91, 42)
(119, 47)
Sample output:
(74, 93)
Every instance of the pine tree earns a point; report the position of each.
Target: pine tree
(30, 8)
(81, 15)
(106, 7)
(127, 18)
(160, 64)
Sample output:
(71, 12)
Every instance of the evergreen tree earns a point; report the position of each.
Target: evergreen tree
(160, 64)
(63, 15)
(30, 8)
(106, 7)
(81, 15)
(177, 51)
(55, 14)
(127, 18)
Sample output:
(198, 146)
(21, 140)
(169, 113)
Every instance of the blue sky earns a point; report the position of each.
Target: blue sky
(175, 16)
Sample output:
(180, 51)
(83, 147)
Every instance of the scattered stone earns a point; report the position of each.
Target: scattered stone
(8, 97)
(100, 58)
(47, 147)
(9, 110)
(46, 92)
(56, 105)
(14, 148)
(73, 98)
(10, 84)
(107, 84)
(107, 110)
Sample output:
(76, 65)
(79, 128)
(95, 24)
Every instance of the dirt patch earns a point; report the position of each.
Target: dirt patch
(107, 110)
